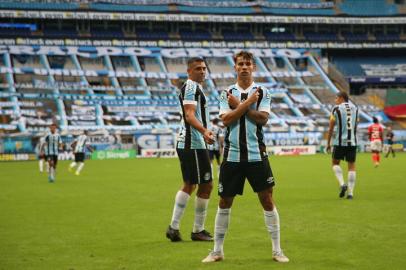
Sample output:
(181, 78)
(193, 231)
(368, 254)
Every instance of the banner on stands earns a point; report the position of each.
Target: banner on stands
(207, 44)
(83, 110)
(158, 153)
(129, 100)
(113, 154)
(20, 103)
(292, 150)
(149, 75)
(292, 138)
(155, 141)
(146, 108)
(17, 157)
(384, 70)
(66, 155)
(129, 16)
(200, 3)
(378, 80)
(102, 50)
(8, 127)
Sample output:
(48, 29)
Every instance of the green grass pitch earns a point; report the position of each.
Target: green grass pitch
(115, 214)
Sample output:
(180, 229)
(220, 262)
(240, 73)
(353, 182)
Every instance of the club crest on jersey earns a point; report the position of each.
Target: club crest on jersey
(207, 176)
(268, 95)
(220, 187)
(190, 88)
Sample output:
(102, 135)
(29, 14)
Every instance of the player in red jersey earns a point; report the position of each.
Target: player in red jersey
(375, 134)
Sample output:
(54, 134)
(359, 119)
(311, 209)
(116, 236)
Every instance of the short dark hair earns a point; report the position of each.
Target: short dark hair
(375, 120)
(54, 124)
(343, 95)
(244, 55)
(194, 59)
(215, 121)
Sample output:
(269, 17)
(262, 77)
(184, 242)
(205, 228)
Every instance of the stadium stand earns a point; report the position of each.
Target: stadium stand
(294, 83)
(128, 88)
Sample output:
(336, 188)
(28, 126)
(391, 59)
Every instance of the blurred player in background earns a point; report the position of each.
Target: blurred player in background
(215, 149)
(389, 140)
(79, 146)
(53, 143)
(375, 134)
(192, 153)
(343, 120)
(41, 155)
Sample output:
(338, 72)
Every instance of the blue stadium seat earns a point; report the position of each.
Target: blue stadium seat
(63, 33)
(368, 8)
(13, 32)
(217, 10)
(237, 36)
(298, 11)
(110, 33)
(295, 1)
(348, 66)
(146, 34)
(355, 37)
(273, 36)
(128, 8)
(39, 6)
(311, 36)
(194, 35)
(387, 37)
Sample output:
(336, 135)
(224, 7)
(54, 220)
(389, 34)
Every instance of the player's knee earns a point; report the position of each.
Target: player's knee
(267, 203)
(265, 198)
(204, 190)
(225, 203)
(188, 188)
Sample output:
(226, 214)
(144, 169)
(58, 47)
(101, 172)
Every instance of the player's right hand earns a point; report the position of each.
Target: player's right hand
(328, 149)
(253, 98)
(208, 136)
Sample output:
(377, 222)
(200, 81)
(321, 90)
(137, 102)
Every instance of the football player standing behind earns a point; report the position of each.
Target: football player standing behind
(79, 146)
(215, 149)
(375, 134)
(41, 155)
(390, 138)
(343, 120)
(53, 143)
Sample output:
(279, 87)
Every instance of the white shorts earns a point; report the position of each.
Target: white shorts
(376, 145)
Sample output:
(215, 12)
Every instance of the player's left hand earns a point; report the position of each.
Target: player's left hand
(328, 149)
(208, 136)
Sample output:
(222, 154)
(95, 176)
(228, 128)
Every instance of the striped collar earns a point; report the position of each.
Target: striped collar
(200, 86)
(245, 90)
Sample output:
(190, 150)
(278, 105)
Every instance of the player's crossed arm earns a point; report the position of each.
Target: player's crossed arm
(238, 108)
(259, 117)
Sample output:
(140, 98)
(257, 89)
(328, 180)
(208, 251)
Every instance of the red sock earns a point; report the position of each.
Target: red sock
(374, 157)
(378, 157)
